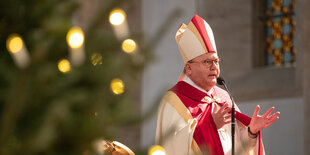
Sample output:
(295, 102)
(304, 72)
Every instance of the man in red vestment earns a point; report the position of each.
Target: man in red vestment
(194, 115)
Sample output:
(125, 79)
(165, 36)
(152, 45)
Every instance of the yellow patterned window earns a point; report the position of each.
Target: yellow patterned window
(280, 32)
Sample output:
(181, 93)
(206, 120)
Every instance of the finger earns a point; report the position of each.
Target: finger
(273, 115)
(256, 111)
(227, 121)
(215, 108)
(223, 108)
(268, 112)
(272, 121)
(227, 110)
(227, 116)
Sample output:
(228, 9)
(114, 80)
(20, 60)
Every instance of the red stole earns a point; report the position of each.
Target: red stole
(206, 134)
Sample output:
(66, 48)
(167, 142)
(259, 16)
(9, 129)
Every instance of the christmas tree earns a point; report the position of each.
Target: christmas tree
(53, 100)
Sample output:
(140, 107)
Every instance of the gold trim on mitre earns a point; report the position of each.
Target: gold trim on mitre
(180, 32)
(178, 36)
(190, 46)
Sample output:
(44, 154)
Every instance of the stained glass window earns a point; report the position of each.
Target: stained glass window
(280, 32)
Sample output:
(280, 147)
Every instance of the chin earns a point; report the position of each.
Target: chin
(212, 82)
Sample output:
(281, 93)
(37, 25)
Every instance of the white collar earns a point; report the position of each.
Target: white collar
(190, 82)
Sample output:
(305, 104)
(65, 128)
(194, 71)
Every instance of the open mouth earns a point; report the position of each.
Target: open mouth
(212, 75)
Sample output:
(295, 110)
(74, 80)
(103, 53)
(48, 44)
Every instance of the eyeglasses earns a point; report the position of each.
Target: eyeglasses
(208, 62)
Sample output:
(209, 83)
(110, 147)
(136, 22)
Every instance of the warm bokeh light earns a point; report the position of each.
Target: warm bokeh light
(75, 37)
(129, 45)
(157, 150)
(96, 59)
(14, 43)
(117, 17)
(64, 66)
(117, 86)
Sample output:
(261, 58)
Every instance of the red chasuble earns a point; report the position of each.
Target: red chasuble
(206, 134)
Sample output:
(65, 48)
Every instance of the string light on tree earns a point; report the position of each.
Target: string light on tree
(96, 59)
(75, 37)
(75, 40)
(117, 86)
(64, 66)
(129, 45)
(15, 46)
(14, 43)
(157, 150)
(117, 17)
(118, 20)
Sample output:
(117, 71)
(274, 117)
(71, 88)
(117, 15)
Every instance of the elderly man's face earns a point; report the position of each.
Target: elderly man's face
(204, 70)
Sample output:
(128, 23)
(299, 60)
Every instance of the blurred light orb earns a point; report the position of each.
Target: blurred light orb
(157, 150)
(129, 45)
(117, 17)
(96, 59)
(14, 43)
(64, 66)
(75, 37)
(117, 86)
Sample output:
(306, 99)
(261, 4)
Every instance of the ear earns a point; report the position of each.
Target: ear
(188, 69)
